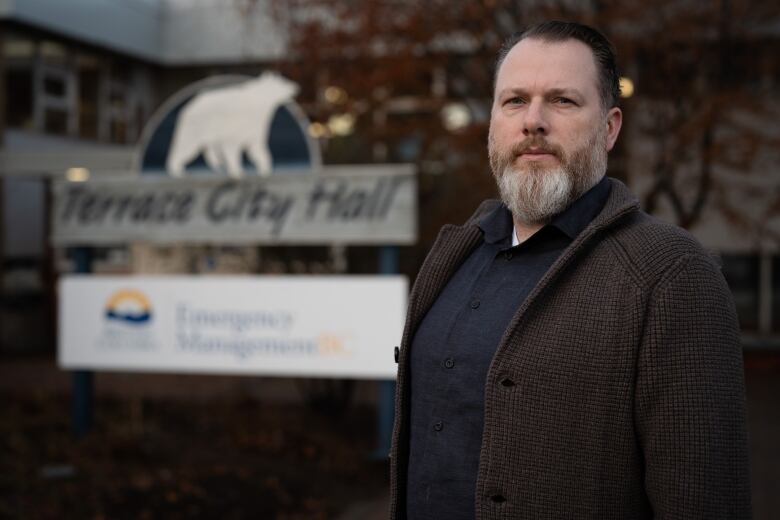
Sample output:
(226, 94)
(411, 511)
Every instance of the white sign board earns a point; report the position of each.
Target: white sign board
(316, 326)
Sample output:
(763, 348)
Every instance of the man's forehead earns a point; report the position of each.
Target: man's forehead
(567, 63)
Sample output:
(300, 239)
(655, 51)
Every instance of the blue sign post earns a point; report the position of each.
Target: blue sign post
(388, 264)
(83, 390)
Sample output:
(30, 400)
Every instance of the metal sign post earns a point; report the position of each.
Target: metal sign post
(388, 264)
(83, 391)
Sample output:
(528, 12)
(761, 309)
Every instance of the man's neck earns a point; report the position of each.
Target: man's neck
(525, 231)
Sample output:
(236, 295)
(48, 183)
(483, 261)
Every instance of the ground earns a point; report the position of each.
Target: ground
(226, 458)
(206, 447)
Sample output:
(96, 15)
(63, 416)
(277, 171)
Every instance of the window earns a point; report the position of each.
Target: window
(19, 97)
(19, 55)
(776, 293)
(54, 87)
(88, 80)
(55, 92)
(55, 122)
(742, 274)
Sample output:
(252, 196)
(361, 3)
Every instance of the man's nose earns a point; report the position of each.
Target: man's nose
(535, 122)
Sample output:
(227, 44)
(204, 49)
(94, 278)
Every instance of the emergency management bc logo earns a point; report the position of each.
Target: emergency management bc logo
(129, 306)
(127, 319)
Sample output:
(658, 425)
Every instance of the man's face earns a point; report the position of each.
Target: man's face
(549, 132)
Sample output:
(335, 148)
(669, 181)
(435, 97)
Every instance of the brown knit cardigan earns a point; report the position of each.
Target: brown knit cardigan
(617, 389)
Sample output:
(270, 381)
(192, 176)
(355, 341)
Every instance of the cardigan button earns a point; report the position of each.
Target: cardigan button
(507, 383)
(498, 499)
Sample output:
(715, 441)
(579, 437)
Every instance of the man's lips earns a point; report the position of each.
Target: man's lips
(536, 150)
(536, 154)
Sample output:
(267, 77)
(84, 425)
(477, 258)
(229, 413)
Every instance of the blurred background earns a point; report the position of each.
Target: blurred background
(382, 81)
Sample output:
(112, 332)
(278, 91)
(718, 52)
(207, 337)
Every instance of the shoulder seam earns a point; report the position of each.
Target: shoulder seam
(625, 259)
(671, 274)
(631, 263)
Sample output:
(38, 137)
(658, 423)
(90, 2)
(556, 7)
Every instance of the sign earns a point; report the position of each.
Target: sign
(223, 123)
(317, 326)
(346, 205)
(231, 126)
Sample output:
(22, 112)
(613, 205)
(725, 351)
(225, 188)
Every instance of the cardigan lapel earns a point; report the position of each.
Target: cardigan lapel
(620, 204)
(451, 248)
(455, 243)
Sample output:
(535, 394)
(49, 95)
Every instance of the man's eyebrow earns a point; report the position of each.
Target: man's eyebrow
(566, 91)
(512, 90)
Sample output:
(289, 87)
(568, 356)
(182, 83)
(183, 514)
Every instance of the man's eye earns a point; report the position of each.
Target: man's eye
(514, 101)
(564, 101)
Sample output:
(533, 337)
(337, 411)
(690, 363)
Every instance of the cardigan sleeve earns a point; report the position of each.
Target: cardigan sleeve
(690, 398)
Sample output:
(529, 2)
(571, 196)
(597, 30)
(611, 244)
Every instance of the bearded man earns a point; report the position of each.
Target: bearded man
(566, 355)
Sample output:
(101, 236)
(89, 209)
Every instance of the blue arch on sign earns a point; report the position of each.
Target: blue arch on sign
(287, 142)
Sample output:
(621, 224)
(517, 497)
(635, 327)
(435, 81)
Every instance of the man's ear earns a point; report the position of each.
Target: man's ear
(614, 122)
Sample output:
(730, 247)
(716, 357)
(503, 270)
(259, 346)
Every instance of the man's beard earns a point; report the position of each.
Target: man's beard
(535, 193)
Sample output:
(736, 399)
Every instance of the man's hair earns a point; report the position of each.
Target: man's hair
(557, 31)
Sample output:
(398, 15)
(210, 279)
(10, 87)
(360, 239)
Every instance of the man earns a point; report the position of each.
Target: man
(566, 355)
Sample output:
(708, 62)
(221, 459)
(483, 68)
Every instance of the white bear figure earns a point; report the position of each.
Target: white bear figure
(223, 122)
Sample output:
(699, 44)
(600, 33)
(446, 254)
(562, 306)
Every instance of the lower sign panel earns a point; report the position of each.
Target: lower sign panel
(315, 326)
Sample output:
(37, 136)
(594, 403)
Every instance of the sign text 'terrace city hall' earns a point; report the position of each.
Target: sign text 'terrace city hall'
(228, 160)
(339, 204)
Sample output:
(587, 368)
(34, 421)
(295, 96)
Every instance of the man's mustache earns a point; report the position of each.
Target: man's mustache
(536, 145)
